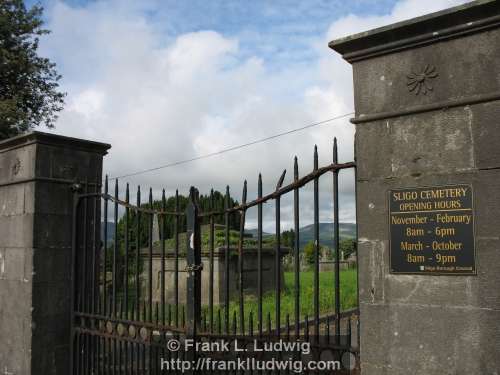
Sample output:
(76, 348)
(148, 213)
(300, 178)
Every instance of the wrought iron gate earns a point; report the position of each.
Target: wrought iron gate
(119, 326)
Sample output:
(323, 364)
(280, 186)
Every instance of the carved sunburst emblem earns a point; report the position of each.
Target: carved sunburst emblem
(420, 82)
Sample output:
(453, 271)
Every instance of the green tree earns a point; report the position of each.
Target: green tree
(288, 238)
(28, 82)
(309, 250)
(347, 246)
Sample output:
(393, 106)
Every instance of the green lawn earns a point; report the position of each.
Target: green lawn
(348, 297)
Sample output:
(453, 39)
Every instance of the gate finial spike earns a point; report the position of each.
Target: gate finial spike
(244, 195)
(106, 185)
(335, 151)
(259, 186)
(192, 194)
(280, 181)
(315, 157)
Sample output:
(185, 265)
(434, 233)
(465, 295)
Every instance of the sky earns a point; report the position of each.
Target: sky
(164, 81)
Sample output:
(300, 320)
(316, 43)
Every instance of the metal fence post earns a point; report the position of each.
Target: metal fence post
(193, 268)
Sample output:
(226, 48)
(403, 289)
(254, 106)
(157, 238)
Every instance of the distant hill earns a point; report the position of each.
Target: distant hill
(347, 230)
(253, 232)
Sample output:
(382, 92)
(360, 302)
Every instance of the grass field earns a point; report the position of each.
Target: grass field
(348, 296)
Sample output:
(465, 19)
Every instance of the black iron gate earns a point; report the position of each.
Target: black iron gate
(127, 317)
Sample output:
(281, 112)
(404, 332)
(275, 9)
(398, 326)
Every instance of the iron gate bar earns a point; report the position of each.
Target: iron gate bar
(211, 261)
(150, 270)
(316, 247)
(240, 260)
(259, 255)
(226, 262)
(176, 255)
(95, 269)
(84, 272)
(277, 257)
(193, 265)
(296, 247)
(74, 244)
(336, 241)
(114, 271)
(137, 254)
(115, 249)
(162, 220)
(94, 256)
(127, 219)
(150, 256)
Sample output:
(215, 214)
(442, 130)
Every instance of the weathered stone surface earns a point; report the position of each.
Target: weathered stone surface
(486, 135)
(486, 203)
(16, 231)
(466, 66)
(47, 260)
(49, 335)
(17, 163)
(414, 339)
(371, 260)
(375, 161)
(52, 231)
(428, 324)
(36, 173)
(45, 204)
(15, 326)
(68, 163)
(437, 141)
(16, 264)
(12, 201)
(50, 299)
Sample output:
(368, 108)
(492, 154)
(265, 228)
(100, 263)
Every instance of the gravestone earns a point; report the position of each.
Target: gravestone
(427, 102)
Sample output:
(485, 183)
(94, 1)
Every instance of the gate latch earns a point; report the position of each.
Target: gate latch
(193, 267)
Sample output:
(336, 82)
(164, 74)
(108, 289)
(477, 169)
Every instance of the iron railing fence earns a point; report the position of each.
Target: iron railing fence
(120, 326)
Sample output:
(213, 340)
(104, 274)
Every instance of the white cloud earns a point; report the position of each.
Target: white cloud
(158, 98)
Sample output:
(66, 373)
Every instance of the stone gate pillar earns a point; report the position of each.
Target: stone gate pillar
(37, 171)
(427, 102)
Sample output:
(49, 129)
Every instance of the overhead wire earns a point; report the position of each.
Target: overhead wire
(232, 148)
